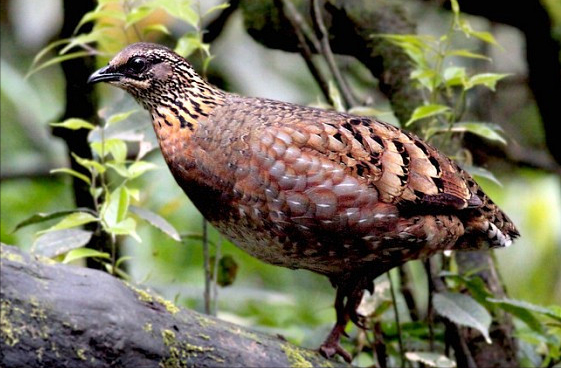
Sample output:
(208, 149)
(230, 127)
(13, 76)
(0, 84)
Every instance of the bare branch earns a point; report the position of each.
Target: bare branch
(346, 92)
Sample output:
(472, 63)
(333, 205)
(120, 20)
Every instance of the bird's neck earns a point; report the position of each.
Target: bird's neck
(183, 107)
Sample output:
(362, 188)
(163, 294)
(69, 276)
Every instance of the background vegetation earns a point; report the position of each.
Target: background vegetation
(525, 177)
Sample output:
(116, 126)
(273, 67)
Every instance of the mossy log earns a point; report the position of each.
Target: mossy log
(55, 315)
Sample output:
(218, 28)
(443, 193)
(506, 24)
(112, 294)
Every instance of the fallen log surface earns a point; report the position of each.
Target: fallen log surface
(55, 315)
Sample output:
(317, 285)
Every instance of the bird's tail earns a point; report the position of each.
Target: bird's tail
(489, 227)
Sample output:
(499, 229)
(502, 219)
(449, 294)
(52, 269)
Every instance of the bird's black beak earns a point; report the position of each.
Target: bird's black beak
(105, 74)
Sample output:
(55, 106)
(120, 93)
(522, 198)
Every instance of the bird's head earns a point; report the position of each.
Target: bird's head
(149, 72)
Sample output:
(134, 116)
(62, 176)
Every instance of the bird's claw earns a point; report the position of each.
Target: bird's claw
(359, 320)
(329, 349)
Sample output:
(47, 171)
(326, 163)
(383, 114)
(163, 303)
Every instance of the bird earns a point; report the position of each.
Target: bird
(345, 196)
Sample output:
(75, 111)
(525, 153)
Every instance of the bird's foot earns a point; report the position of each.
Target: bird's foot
(331, 346)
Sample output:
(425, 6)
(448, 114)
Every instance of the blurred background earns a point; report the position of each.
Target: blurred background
(297, 304)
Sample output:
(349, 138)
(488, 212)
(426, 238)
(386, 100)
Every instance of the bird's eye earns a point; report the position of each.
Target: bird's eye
(137, 64)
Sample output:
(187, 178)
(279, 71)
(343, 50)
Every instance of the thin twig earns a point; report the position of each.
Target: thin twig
(346, 91)
(398, 324)
(379, 345)
(405, 289)
(206, 260)
(214, 306)
(430, 309)
(299, 25)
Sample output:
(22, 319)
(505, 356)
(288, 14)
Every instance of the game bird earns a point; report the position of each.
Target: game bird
(345, 196)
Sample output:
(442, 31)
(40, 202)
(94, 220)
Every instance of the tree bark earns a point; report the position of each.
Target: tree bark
(56, 315)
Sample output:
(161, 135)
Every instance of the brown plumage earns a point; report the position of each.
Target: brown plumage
(345, 196)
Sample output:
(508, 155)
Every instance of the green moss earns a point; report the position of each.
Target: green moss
(146, 297)
(45, 260)
(245, 333)
(195, 348)
(81, 353)
(8, 332)
(14, 257)
(204, 321)
(203, 336)
(298, 358)
(168, 336)
(181, 352)
(170, 307)
(147, 327)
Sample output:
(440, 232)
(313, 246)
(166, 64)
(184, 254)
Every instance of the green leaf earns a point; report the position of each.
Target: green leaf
(73, 220)
(485, 130)
(455, 7)
(89, 164)
(57, 60)
(476, 286)
(119, 117)
(80, 253)
(157, 221)
(138, 168)
(227, 270)
(215, 8)
(430, 359)
(125, 227)
(467, 54)
(133, 193)
(120, 168)
(82, 39)
(484, 36)
(99, 13)
(335, 97)
(47, 49)
(188, 44)
(454, 76)
(115, 209)
(74, 124)
(521, 304)
(138, 13)
(426, 111)
(42, 217)
(73, 173)
(463, 310)
(181, 9)
(58, 242)
(478, 171)
(114, 146)
(415, 46)
(488, 80)
(427, 77)
(155, 28)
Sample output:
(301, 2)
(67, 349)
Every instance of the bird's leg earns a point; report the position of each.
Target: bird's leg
(346, 310)
(331, 345)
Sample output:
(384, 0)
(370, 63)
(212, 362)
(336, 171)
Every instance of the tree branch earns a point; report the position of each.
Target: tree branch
(56, 315)
(352, 26)
(346, 92)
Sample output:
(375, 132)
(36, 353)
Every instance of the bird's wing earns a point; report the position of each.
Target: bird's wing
(404, 170)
